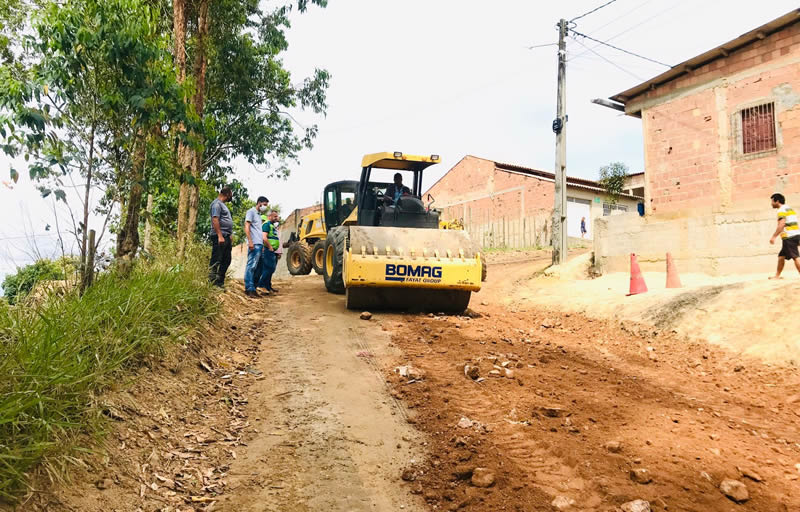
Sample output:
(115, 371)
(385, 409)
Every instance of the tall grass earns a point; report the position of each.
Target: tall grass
(58, 354)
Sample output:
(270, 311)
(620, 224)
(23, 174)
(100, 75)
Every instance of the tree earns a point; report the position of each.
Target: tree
(243, 95)
(99, 91)
(613, 177)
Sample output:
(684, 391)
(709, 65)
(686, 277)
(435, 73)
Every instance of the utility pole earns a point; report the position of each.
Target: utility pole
(560, 128)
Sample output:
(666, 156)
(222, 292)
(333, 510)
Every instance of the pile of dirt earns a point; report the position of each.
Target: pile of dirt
(572, 413)
(746, 314)
(175, 428)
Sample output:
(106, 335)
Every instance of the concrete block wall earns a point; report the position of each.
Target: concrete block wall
(693, 160)
(714, 244)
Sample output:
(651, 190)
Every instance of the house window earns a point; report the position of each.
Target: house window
(608, 208)
(758, 129)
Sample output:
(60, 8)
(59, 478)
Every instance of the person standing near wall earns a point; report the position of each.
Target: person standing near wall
(583, 227)
(255, 243)
(269, 258)
(221, 231)
(789, 231)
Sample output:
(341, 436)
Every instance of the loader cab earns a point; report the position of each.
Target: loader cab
(339, 200)
(377, 209)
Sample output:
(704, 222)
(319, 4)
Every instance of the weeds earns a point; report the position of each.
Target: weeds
(59, 353)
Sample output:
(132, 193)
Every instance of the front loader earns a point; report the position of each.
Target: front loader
(389, 253)
(305, 246)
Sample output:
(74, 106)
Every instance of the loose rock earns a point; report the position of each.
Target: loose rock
(562, 502)
(750, 473)
(613, 446)
(464, 423)
(409, 475)
(366, 315)
(482, 477)
(641, 476)
(551, 411)
(472, 372)
(734, 490)
(104, 483)
(463, 472)
(636, 506)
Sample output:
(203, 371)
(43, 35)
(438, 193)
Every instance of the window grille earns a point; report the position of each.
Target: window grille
(758, 129)
(608, 208)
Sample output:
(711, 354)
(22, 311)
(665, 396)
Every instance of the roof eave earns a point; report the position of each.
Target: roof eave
(701, 60)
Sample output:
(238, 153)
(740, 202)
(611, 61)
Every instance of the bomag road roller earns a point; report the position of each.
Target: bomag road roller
(389, 253)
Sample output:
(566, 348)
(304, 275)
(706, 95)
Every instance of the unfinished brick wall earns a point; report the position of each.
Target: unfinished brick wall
(693, 153)
(503, 207)
(498, 208)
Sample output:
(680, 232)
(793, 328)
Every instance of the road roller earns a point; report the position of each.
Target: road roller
(384, 248)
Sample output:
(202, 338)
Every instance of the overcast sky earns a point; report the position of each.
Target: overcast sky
(456, 77)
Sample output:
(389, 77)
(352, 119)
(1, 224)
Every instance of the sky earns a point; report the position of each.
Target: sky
(454, 78)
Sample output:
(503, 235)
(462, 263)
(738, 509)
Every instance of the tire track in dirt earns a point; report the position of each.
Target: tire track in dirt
(329, 435)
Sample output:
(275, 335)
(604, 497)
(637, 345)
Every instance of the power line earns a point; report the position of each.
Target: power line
(542, 45)
(611, 62)
(24, 237)
(592, 11)
(604, 25)
(619, 49)
(646, 20)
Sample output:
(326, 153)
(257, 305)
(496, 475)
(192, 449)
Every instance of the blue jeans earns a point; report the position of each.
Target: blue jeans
(269, 262)
(250, 275)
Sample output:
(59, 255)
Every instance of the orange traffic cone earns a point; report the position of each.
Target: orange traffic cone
(673, 280)
(637, 279)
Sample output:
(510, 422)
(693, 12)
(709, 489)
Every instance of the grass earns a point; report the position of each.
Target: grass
(58, 354)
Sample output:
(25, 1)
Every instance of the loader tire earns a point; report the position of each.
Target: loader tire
(333, 265)
(318, 256)
(298, 258)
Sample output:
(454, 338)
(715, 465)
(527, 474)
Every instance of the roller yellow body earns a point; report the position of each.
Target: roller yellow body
(409, 261)
(411, 258)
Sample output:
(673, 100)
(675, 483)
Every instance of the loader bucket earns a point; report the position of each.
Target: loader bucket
(410, 269)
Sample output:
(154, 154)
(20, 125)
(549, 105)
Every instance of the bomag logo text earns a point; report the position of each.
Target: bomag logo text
(413, 273)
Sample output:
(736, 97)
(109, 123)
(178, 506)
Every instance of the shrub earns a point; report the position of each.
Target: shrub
(16, 286)
(59, 353)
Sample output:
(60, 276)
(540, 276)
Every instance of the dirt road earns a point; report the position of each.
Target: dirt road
(592, 415)
(293, 404)
(330, 435)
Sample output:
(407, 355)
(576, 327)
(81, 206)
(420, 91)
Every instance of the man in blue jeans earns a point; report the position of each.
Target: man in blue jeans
(269, 257)
(255, 243)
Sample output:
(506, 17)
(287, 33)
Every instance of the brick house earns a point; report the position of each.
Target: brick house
(721, 134)
(723, 125)
(634, 185)
(505, 205)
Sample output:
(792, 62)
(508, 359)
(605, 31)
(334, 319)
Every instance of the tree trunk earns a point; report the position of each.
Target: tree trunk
(184, 163)
(128, 239)
(86, 265)
(148, 225)
(200, 67)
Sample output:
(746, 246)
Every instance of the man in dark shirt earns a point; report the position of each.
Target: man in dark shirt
(221, 231)
(396, 190)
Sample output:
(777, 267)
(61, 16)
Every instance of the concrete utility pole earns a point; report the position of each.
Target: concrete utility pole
(560, 128)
